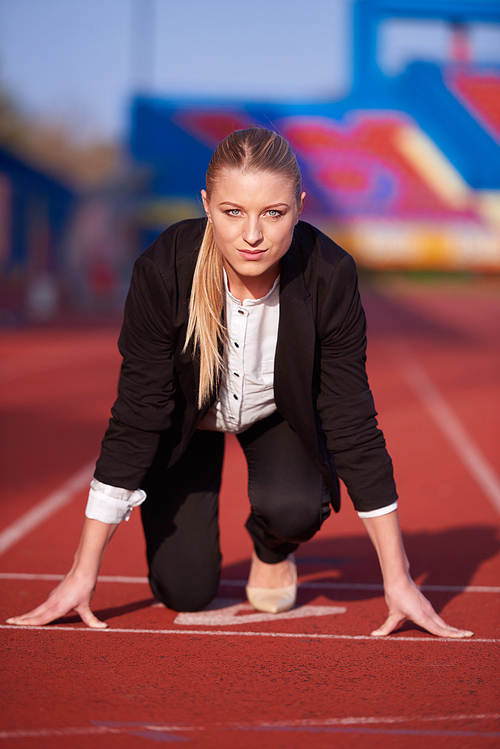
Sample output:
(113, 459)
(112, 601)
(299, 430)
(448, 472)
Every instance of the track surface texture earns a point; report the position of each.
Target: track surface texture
(231, 677)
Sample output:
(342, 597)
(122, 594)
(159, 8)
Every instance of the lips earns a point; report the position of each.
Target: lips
(251, 254)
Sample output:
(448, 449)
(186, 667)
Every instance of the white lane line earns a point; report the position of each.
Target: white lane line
(56, 577)
(363, 721)
(447, 421)
(232, 633)
(320, 585)
(121, 728)
(40, 733)
(44, 509)
(326, 585)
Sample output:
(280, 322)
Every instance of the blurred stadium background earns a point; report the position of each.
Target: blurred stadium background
(403, 171)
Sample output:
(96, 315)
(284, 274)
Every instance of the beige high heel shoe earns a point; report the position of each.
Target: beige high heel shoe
(274, 600)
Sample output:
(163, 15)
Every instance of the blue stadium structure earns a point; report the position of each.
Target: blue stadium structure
(35, 212)
(404, 172)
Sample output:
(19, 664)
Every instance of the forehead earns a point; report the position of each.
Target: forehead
(252, 184)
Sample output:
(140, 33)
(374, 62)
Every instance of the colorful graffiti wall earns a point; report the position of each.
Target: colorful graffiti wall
(405, 172)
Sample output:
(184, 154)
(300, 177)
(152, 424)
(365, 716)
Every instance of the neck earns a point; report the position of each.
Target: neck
(247, 287)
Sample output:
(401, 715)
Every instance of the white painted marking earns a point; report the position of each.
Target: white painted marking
(319, 585)
(231, 633)
(55, 577)
(46, 732)
(447, 421)
(363, 721)
(228, 615)
(348, 721)
(92, 730)
(327, 585)
(44, 509)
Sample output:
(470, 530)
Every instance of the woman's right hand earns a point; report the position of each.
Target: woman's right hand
(75, 591)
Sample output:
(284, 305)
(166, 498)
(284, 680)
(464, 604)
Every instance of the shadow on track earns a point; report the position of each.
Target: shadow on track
(449, 557)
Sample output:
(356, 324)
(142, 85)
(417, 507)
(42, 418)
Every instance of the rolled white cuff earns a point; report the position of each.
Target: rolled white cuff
(379, 512)
(112, 504)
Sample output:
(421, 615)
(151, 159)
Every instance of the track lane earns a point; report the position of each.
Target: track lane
(229, 690)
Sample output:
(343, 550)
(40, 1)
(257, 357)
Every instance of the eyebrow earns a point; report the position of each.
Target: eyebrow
(267, 207)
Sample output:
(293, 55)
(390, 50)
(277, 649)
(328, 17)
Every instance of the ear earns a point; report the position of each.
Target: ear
(205, 204)
(301, 206)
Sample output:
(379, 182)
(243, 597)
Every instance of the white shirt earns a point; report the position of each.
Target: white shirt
(246, 393)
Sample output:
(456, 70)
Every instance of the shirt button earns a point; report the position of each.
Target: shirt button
(236, 344)
(235, 397)
(240, 312)
(236, 374)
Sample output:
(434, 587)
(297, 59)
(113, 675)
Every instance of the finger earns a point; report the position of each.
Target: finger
(27, 620)
(90, 619)
(433, 623)
(43, 614)
(390, 624)
(437, 626)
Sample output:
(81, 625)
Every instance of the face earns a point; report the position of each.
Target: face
(253, 216)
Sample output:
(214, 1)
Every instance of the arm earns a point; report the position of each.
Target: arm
(107, 506)
(146, 388)
(357, 444)
(75, 592)
(345, 403)
(141, 412)
(404, 599)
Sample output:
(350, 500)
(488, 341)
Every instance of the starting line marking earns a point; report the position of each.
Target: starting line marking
(221, 617)
(231, 633)
(319, 585)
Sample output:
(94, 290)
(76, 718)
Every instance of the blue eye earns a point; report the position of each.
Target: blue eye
(233, 212)
(274, 213)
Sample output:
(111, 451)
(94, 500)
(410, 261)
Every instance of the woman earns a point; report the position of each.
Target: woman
(249, 322)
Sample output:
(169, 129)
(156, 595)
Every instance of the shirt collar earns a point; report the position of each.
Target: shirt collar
(249, 302)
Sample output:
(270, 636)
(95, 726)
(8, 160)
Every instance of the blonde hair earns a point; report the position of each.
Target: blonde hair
(254, 149)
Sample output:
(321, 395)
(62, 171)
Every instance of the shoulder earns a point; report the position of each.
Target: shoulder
(319, 255)
(176, 247)
(167, 266)
(330, 277)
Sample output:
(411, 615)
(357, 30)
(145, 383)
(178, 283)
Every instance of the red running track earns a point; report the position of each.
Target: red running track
(232, 677)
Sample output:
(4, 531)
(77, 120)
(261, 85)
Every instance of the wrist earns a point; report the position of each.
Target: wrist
(83, 571)
(396, 584)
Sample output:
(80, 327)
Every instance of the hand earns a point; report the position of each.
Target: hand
(405, 601)
(74, 593)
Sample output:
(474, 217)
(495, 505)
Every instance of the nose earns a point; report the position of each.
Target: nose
(252, 231)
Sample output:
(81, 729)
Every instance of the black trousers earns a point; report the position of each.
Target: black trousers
(288, 500)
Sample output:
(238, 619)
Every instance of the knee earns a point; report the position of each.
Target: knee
(181, 594)
(182, 599)
(291, 524)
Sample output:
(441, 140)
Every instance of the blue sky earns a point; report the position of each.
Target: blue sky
(78, 61)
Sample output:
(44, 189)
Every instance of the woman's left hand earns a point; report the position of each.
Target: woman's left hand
(405, 601)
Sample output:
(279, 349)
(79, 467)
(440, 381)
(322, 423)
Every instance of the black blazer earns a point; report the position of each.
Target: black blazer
(320, 382)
